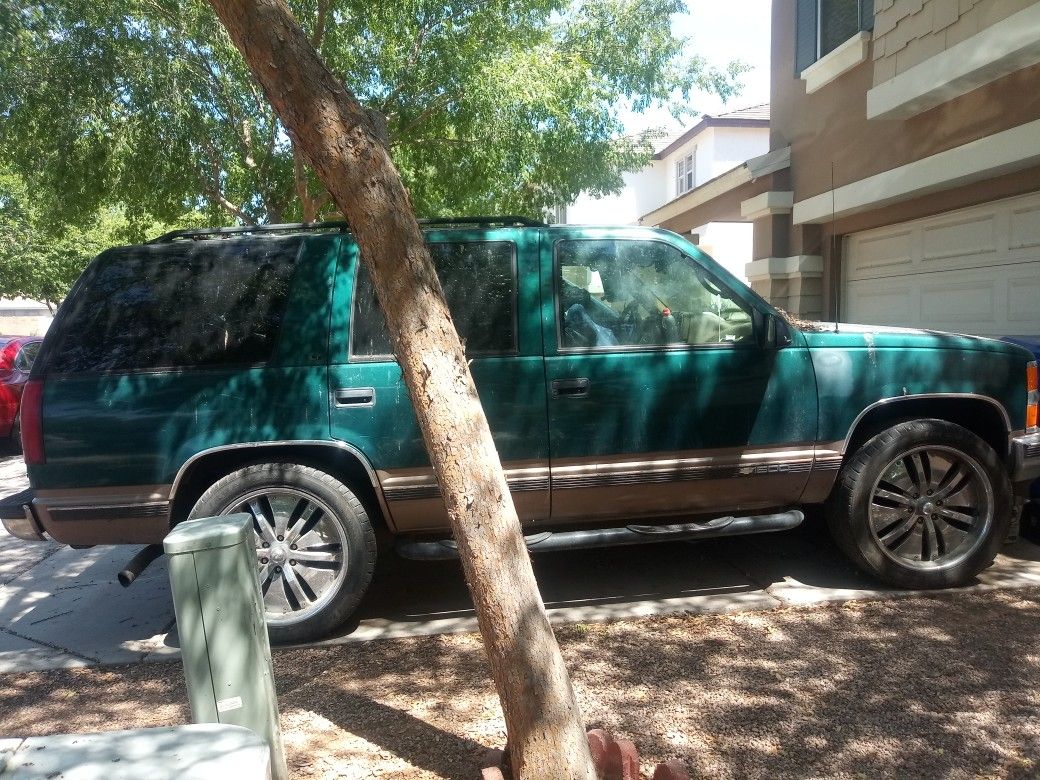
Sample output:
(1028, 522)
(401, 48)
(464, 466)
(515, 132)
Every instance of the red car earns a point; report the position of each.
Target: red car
(17, 354)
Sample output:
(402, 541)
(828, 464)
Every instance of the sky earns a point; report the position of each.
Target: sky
(721, 30)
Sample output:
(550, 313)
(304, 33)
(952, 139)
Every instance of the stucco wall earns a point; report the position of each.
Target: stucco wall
(832, 141)
(643, 191)
(735, 145)
(908, 32)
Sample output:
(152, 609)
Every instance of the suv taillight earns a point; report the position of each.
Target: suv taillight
(1032, 397)
(32, 423)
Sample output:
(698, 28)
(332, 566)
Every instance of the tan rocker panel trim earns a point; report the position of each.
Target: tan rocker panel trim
(421, 483)
(416, 484)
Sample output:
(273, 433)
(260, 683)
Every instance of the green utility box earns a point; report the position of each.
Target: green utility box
(220, 620)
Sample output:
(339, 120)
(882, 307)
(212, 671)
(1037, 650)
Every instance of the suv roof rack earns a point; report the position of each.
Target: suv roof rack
(196, 234)
(289, 227)
(504, 221)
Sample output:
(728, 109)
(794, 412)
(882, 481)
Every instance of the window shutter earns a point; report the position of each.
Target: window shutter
(866, 14)
(805, 35)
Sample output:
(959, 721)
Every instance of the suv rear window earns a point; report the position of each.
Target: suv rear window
(177, 305)
(479, 281)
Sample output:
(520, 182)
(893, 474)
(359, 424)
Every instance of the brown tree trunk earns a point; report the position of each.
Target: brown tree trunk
(326, 122)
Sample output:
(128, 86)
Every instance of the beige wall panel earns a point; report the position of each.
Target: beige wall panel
(884, 251)
(1025, 227)
(960, 238)
(967, 305)
(874, 301)
(1022, 292)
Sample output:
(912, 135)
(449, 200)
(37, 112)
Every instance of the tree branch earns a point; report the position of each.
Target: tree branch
(211, 187)
(319, 24)
(425, 114)
(424, 30)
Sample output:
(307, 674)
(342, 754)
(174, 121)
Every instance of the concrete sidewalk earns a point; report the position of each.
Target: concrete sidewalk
(61, 607)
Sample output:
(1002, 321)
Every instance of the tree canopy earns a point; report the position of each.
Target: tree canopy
(40, 259)
(500, 106)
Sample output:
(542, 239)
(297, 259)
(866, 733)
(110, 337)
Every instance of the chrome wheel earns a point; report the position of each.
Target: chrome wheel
(300, 548)
(931, 508)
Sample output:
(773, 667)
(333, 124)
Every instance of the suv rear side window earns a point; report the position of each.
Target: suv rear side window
(176, 305)
(479, 281)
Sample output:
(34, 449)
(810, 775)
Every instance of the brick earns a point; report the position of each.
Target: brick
(622, 761)
(671, 770)
(599, 740)
(493, 757)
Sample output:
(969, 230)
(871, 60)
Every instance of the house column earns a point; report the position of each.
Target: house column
(787, 269)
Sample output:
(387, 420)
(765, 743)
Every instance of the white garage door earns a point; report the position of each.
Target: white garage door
(975, 271)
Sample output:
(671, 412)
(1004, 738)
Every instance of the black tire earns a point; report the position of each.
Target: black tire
(892, 515)
(305, 600)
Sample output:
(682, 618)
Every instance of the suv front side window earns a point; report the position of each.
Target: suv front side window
(630, 294)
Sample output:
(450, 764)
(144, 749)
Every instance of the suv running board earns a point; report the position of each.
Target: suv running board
(545, 541)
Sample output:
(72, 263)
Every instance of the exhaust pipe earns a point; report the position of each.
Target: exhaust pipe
(138, 564)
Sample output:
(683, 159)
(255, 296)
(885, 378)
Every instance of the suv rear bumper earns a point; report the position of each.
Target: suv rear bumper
(18, 517)
(119, 515)
(1025, 457)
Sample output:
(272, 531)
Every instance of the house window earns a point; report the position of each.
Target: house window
(838, 21)
(686, 173)
(823, 25)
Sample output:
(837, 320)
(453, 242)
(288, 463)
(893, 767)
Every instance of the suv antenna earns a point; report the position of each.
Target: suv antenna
(835, 273)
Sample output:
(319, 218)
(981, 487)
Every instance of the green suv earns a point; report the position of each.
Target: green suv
(636, 390)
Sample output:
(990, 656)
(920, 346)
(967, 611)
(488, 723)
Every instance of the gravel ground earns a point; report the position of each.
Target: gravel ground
(941, 686)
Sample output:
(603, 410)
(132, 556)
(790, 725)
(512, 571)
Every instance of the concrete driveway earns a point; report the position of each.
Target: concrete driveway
(61, 607)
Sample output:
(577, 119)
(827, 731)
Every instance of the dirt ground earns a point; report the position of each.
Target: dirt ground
(941, 686)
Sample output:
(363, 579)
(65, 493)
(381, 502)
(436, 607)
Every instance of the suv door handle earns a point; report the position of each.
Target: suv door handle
(571, 388)
(355, 396)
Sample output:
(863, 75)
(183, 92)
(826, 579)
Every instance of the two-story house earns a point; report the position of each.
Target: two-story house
(902, 185)
(682, 163)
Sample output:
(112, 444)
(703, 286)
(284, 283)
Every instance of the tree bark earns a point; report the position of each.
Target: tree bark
(336, 135)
